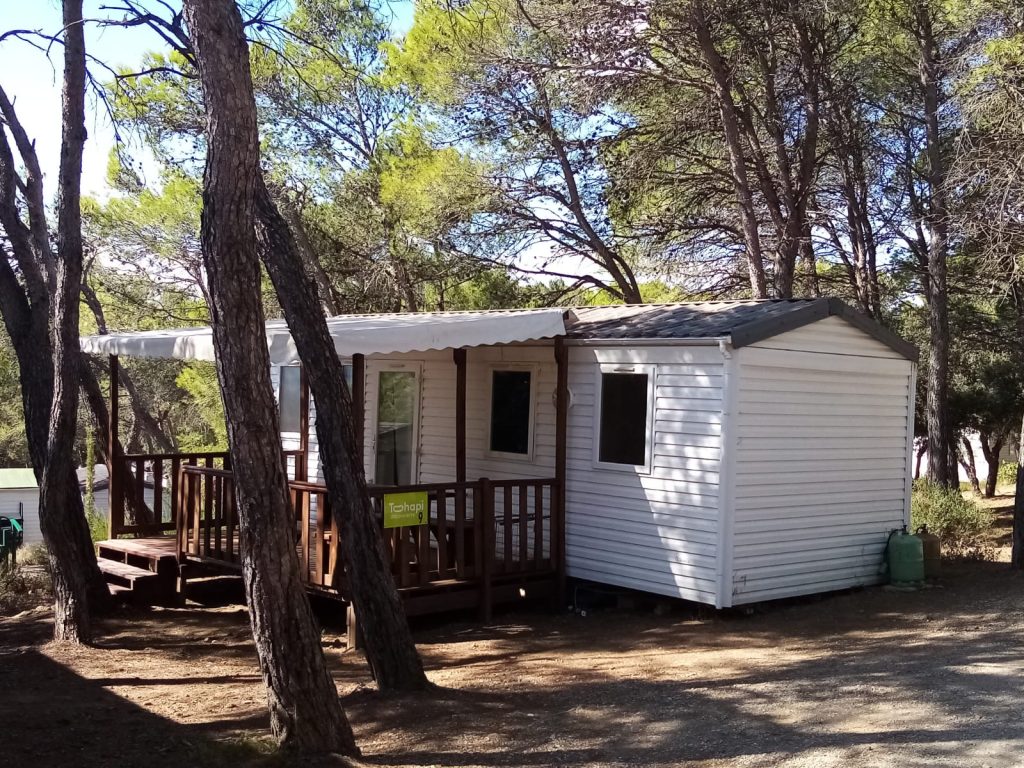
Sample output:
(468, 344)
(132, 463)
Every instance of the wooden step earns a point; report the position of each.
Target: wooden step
(122, 572)
(138, 584)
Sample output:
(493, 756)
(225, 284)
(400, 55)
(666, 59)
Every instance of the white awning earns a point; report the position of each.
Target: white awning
(353, 334)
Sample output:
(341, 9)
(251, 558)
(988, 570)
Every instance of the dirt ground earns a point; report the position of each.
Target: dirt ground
(866, 678)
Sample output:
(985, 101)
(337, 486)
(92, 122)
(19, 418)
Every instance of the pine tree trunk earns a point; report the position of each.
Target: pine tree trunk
(305, 712)
(940, 437)
(61, 514)
(389, 645)
(991, 448)
(1017, 552)
(970, 466)
(739, 179)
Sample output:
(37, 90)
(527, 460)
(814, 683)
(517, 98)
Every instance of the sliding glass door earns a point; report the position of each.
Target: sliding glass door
(397, 408)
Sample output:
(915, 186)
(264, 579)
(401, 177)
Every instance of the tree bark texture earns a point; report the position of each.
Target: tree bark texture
(305, 712)
(45, 344)
(991, 448)
(61, 514)
(389, 646)
(940, 438)
(1017, 551)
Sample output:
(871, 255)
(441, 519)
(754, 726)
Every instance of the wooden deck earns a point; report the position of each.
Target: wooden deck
(474, 543)
(435, 593)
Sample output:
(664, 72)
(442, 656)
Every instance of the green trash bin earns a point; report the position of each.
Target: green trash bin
(12, 534)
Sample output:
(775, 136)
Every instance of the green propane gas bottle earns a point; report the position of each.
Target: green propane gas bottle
(906, 558)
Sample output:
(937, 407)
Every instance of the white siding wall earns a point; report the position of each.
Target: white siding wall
(437, 424)
(821, 460)
(28, 499)
(655, 532)
(436, 434)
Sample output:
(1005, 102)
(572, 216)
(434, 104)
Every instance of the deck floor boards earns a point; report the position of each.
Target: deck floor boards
(164, 550)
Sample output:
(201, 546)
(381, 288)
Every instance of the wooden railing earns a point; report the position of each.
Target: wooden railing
(144, 488)
(207, 518)
(448, 544)
(317, 534)
(479, 531)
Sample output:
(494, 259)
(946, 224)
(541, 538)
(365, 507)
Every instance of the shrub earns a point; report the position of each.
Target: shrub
(960, 523)
(97, 526)
(33, 554)
(1007, 473)
(22, 587)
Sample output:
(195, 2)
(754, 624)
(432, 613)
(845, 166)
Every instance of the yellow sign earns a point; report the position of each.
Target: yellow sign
(405, 509)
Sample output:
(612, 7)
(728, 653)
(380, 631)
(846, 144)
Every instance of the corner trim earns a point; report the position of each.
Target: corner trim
(727, 477)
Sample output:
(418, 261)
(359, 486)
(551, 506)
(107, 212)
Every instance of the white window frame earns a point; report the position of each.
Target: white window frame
(651, 371)
(295, 434)
(534, 371)
(391, 366)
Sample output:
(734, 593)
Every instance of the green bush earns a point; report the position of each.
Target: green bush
(1007, 473)
(97, 527)
(960, 523)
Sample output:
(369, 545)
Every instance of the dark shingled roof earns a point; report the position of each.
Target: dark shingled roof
(743, 321)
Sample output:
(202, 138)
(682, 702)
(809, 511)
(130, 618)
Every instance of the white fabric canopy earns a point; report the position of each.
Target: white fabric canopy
(353, 334)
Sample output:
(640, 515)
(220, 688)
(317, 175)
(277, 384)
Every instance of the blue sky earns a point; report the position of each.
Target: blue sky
(33, 81)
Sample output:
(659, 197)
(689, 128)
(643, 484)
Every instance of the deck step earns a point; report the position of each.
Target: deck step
(122, 573)
(139, 585)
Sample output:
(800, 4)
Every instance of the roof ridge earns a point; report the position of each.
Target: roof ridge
(799, 299)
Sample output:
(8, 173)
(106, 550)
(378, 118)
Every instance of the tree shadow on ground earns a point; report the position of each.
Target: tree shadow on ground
(1001, 507)
(54, 717)
(924, 679)
(929, 678)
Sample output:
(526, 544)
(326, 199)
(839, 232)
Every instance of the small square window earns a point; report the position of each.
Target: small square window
(290, 398)
(624, 416)
(510, 412)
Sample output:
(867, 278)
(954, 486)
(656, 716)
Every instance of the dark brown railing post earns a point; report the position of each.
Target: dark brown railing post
(485, 514)
(359, 405)
(178, 498)
(300, 457)
(459, 356)
(558, 490)
(115, 510)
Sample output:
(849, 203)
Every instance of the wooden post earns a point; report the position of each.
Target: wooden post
(484, 514)
(302, 462)
(353, 637)
(115, 504)
(460, 414)
(359, 405)
(561, 432)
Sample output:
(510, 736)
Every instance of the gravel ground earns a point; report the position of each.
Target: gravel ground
(871, 678)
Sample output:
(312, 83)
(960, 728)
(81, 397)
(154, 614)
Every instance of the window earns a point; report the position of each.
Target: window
(511, 412)
(290, 398)
(624, 418)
